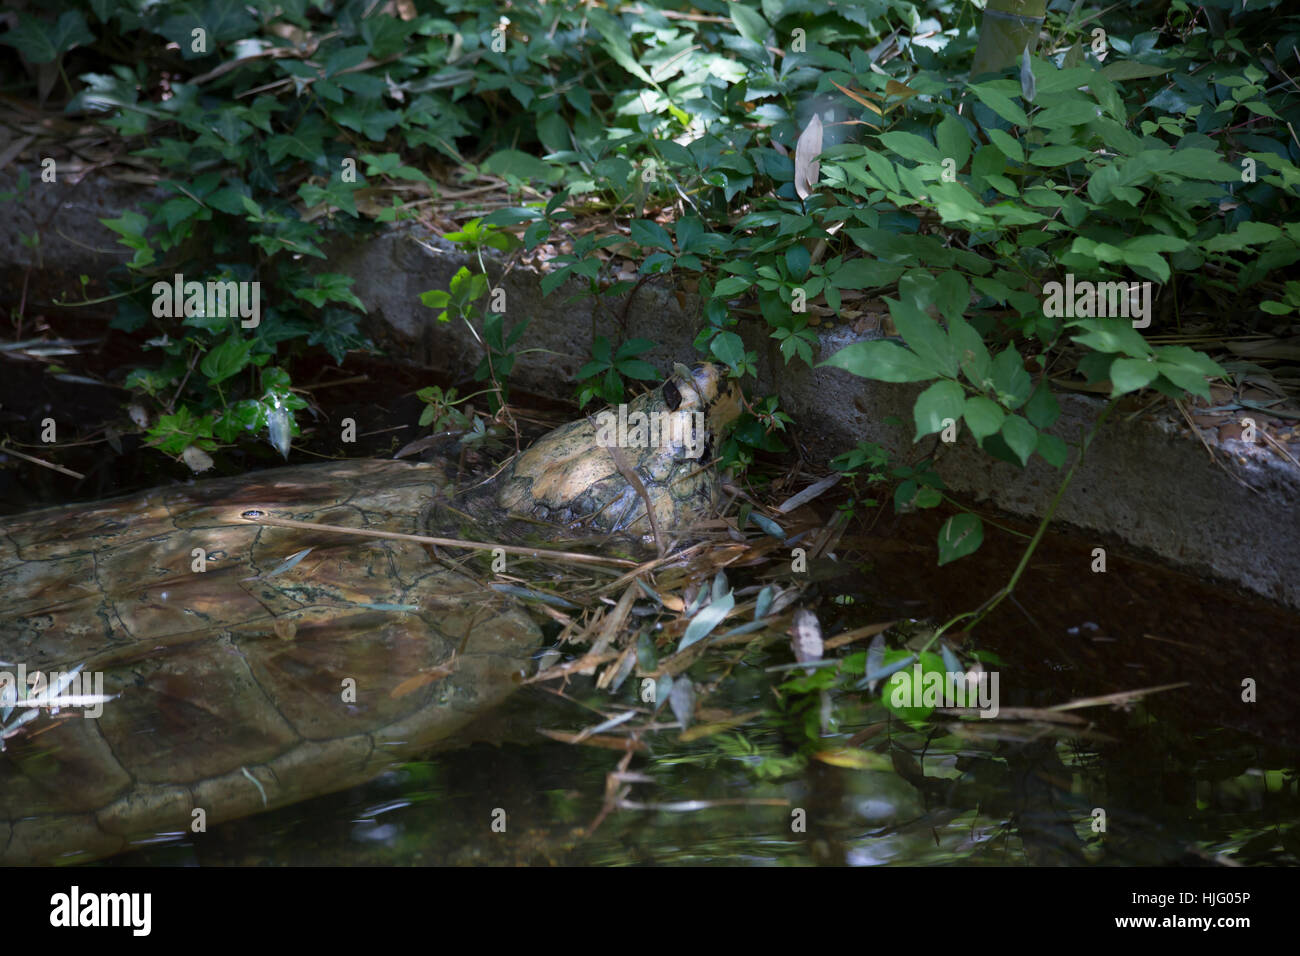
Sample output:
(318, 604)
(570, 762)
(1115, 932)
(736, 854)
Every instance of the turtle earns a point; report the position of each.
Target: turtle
(233, 665)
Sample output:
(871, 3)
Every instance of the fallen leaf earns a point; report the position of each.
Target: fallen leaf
(417, 681)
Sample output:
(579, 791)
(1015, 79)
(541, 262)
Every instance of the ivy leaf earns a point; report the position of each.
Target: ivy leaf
(749, 23)
(226, 359)
(40, 42)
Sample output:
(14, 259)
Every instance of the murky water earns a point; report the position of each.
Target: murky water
(1189, 776)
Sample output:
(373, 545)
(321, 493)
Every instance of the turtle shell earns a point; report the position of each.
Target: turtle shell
(576, 474)
(253, 683)
(250, 665)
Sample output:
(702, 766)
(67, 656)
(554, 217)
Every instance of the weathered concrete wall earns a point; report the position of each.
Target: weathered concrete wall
(392, 270)
(1145, 481)
(66, 216)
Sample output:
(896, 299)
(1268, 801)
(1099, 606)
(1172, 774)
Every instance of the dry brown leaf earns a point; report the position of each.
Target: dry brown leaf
(860, 97)
(806, 151)
(417, 681)
(604, 741)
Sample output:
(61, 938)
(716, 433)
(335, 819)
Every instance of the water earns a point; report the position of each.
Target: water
(1193, 775)
(1188, 776)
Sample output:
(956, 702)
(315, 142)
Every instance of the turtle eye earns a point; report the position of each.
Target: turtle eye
(672, 396)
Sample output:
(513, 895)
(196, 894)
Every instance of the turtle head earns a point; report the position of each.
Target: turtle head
(578, 473)
(707, 389)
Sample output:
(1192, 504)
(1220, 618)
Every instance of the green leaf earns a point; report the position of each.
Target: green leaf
(1020, 436)
(960, 536)
(941, 402)
(617, 44)
(882, 361)
(1000, 103)
(972, 354)
(1008, 145)
(1247, 234)
(343, 58)
(924, 336)
(1042, 408)
(913, 147)
(901, 694)
(730, 348)
(227, 359)
(633, 347)
(983, 417)
(1073, 113)
(953, 139)
(1052, 449)
(952, 295)
(515, 162)
(651, 235)
(883, 170)
(1129, 375)
(732, 286)
(1121, 70)
(1112, 335)
(1058, 155)
(865, 273)
(749, 24)
(1184, 377)
(637, 369)
(1190, 359)
(40, 42)
(1010, 379)
(955, 203)
(177, 209)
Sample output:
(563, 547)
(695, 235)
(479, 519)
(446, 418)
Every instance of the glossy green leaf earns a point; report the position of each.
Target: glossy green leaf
(961, 535)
